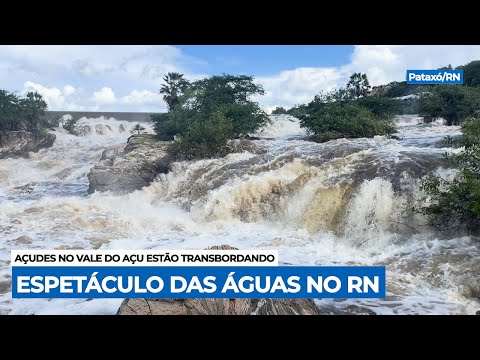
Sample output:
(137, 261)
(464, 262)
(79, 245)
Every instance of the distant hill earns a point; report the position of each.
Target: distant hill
(126, 116)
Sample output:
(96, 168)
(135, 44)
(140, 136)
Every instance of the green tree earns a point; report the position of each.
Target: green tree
(204, 101)
(174, 87)
(18, 113)
(231, 95)
(138, 128)
(9, 111)
(345, 119)
(298, 110)
(206, 137)
(381, 106)
(358, 85)
(345, 113)
(471, 73)
(33, 109)
(447, 67)
(168, 125)
(453, 103)
(279, 110)
(71, 126)
(455, 205)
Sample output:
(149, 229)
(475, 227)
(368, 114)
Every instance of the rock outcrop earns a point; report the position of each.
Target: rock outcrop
(112, 151)
(218, 306)
(20, 143)
(123, 169)
(380, 90)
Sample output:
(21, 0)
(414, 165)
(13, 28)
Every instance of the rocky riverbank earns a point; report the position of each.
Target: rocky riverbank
(20, 143)
(126, 168)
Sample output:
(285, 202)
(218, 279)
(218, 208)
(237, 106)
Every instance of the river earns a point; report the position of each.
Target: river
(344, 202)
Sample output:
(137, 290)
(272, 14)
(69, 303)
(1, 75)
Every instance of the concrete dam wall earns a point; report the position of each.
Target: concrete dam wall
(125, 116)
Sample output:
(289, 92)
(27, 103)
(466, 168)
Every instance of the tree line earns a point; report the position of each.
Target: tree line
(205, 114)
(456, 104)
(22, 113)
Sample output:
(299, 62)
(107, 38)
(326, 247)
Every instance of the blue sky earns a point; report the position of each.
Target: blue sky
(265, 60)
(127, 77)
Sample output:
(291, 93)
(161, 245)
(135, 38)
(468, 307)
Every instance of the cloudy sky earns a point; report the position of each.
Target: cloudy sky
(127, 78)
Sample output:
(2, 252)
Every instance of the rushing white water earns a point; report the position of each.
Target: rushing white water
(282, 126)
(343, 202)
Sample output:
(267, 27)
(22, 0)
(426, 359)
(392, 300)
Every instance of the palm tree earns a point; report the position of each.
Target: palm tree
(358, 86)
(173, 89)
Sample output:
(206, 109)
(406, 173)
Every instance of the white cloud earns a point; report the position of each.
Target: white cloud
(297, 86)
(390, 63)
(104, 96)
(122, 68)
(89, 60)
(68, 90)
(83, 67)
(142, 97)
(105, 99)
